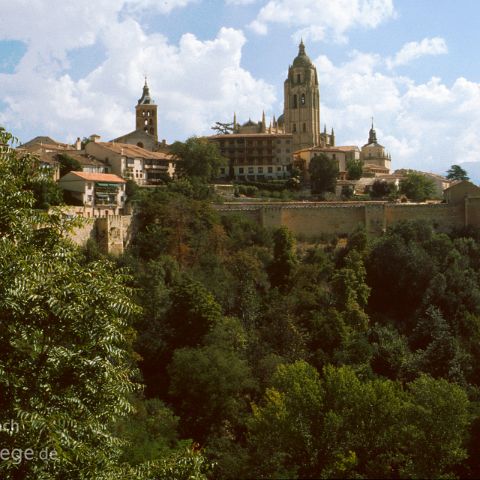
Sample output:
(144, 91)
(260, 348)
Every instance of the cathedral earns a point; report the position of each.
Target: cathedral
(266, 151)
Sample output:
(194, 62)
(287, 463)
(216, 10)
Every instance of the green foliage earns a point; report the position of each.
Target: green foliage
(383, 189)
(323, 174)
(417, 187)
(68, 164)
(338, 426)
(354, 169)
(456, 172)
(284, 258)
(66, 364)
(198, 157)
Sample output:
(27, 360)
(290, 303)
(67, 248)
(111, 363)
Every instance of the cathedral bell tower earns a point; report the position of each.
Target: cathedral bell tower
(302, 102)
(146, 113)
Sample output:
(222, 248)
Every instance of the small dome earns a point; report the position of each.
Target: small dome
(302, 59)
(281, 119)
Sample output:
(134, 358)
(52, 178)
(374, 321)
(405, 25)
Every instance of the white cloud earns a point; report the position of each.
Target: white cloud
(318, 19)
(194, 82)
(428, 125)
(414, 50)
(239, 2)
(162, 6)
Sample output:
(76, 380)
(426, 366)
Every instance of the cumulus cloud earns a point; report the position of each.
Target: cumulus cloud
(414, 50)
(428, 125)
(318, 19)
(194, 82)
(240, 2)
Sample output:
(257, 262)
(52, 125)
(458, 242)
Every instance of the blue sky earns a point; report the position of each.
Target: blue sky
(75, 68)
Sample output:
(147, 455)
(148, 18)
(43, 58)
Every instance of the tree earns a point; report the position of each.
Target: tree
(456, 172)
(199, 158)
(223, 128)
(323, 174)
(417, 187)
(66, 362)
(354, 169)
(284, 258)
(382, 189)
(68, 164)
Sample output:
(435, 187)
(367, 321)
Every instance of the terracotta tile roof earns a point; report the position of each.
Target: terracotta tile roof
(134, 151)
(99, 177)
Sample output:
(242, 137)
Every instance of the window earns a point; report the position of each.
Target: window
(146, 122)
(222, 171)
(279, 169)
(302, 100)
(304, 127)
(295, 101)
(260, 169)
(294, 128)
(270, 169)
(240, 170)
(250, 169)
(299, 78)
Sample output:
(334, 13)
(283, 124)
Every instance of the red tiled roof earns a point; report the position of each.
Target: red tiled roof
(99, 177)
(134, 151)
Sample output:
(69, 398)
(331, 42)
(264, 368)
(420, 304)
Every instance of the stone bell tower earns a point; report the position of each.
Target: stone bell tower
(302, 102)
(146, 113)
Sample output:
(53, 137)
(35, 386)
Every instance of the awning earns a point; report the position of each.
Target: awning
(110, 185)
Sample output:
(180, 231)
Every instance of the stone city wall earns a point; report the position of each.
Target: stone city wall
(312, 220)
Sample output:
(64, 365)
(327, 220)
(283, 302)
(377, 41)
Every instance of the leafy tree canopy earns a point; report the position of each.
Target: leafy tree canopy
(199, 158)
(323, 173)
(417, 187)
(456, 172)
(354, 169)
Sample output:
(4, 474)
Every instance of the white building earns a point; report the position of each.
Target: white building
(104, 193)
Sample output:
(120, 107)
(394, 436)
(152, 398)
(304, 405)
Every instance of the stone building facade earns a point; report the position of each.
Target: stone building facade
(375, 159)
(257, 150)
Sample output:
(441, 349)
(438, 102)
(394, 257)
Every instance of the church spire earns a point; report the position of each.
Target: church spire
(145, 98)
(301, 48)
(372, 135)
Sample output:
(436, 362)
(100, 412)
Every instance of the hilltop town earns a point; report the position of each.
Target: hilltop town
(286, 159)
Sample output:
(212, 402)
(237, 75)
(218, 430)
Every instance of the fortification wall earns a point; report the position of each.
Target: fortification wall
(82, 234)
(113, 233)
(444, 217)
(472, 211)
(315, 219)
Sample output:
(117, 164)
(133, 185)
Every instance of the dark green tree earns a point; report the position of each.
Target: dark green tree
(417, 187)
(284, 258)
(354, 169)
(456, 172)
(68, 164)
(383, 189)
(223, 128)
(323, 174)
(198, 157)
(66, 362)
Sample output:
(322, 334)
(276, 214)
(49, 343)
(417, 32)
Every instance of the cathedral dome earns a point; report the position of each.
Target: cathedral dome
(302, 59)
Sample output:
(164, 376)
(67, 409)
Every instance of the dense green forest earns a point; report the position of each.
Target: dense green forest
(214, 348)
